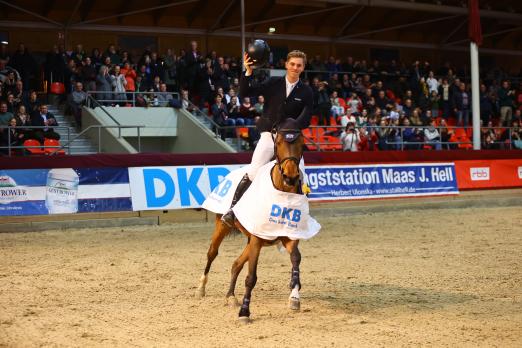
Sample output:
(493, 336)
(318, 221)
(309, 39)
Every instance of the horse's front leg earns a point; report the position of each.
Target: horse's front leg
(220, 231)
(295, 282)
(254, 247)
(237, 266)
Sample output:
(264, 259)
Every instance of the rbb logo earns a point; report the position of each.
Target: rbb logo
(481, 173)
(286, 213)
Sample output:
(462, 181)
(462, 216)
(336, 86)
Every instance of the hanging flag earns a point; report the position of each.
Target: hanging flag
(474, 30)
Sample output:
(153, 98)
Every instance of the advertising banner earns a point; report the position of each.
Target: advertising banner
(489, 173)
(382, 180)
(159, 188)
(64, 190)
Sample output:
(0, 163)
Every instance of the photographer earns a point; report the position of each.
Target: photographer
(350, 138)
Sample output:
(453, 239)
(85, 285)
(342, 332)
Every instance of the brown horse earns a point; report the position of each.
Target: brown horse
(285, 177)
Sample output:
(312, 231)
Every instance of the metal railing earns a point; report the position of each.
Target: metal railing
(150, 98)
(317, 143)
(64, 144)
(399, 141)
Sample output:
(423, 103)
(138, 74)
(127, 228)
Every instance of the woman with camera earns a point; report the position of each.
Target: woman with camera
(350, 138)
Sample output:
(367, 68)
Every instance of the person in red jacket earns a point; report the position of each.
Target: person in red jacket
(130, 77)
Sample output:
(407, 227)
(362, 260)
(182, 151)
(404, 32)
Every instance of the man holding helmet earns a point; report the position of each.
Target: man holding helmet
(285, 97)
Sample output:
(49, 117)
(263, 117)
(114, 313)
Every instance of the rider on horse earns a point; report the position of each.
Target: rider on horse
(285, 97)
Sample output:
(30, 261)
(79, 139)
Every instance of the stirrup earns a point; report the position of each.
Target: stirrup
(228, 218)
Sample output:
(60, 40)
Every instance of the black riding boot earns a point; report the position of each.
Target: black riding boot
(243, 185)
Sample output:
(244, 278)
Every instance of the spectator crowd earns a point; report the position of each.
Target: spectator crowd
(381, 105)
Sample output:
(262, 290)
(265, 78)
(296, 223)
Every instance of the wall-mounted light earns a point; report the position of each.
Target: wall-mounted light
(271, 30)
(4, 38)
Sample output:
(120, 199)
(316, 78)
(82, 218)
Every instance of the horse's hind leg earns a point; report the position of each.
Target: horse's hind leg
(295, 282)
(237, 266)
(220, 231)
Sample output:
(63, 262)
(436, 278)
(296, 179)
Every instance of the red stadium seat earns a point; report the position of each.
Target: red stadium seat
(53, 147)
(34, 147)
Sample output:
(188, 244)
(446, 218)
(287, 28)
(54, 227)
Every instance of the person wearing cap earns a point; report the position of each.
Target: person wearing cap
(285, 98)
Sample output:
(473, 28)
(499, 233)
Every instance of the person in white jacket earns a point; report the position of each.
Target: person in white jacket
(432, 135)
(118, 84)
(350, 138)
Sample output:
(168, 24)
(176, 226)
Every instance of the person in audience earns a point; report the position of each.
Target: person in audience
(259, 105)
(445, 98)
(12, 105)
(185, 101)
(75, 101)
(33, 104)
(130, 78)
(323, 104)
(88, 74)
(45, 121)
(461, 105)
(104, 86)
(118, 82)
(164, 97)
(350, 138)
(432, 135)
(337, 109)
(445, 134)
(12, 136)
(20, 95)
(506, 98)
(488, 137)
(220, 114)
(247, 111)
(5, 115)
(141, 86)
(234, 113)
(23, 119)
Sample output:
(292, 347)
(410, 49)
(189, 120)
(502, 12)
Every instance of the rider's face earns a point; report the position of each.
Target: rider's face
(294, 67)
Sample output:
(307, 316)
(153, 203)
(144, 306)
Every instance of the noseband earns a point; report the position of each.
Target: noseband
(289, 135)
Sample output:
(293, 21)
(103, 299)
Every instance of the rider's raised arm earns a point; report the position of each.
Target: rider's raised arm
(249, 87)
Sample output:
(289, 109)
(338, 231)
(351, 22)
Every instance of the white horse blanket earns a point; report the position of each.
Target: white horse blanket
(264, 211)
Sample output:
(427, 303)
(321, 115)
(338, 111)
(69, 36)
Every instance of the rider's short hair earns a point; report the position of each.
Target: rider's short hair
(296, 54)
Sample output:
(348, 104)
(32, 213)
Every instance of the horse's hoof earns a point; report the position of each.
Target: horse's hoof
(294, 304)
(232, 301)
(244, 320)
(200, 293)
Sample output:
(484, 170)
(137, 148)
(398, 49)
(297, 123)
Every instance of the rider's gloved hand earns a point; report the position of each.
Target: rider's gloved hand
(306, 189)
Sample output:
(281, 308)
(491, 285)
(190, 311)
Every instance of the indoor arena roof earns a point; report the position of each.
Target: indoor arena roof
(435, 24)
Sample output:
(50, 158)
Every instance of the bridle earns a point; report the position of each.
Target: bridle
(280, 162)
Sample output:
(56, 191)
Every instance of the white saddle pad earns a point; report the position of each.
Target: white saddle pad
(263, 210)
(220, 199)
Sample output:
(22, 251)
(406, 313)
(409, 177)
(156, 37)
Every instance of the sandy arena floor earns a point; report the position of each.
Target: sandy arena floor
(415, 278)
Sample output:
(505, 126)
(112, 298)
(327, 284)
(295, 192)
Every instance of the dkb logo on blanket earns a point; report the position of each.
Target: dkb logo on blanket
(288, 216)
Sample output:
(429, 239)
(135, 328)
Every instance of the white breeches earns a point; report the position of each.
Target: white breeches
(263, 154)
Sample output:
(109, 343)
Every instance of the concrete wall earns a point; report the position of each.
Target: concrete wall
(110, 142)
(165, 130)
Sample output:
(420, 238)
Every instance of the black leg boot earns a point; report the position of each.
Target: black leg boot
(229, 217)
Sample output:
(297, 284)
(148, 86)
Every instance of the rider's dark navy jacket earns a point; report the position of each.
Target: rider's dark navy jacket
(278, 107)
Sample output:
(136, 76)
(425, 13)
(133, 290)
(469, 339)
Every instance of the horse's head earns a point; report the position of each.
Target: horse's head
(288, 151)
